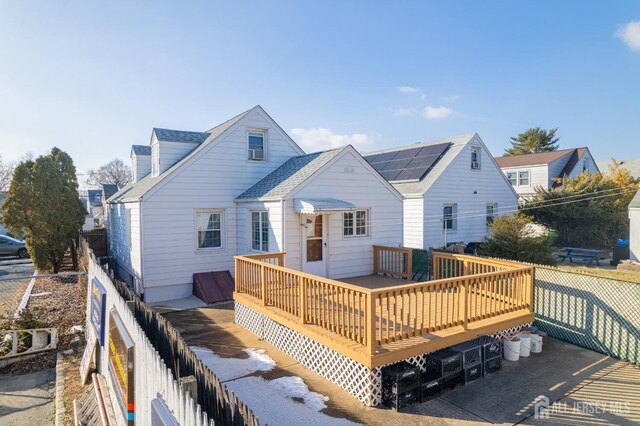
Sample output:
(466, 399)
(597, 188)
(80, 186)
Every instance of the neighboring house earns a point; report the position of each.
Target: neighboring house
(634, 227)
(452, 188)
(92, 201)
(200, 198)
(631, 164)
(108, 189)
(526, 172)
(3, 230)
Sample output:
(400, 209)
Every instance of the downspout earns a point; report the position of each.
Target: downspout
(141, 250)
(283, 224)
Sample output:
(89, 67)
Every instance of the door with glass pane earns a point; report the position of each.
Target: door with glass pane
(314, 245)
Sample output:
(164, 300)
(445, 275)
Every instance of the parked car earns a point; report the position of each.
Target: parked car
(12, 247)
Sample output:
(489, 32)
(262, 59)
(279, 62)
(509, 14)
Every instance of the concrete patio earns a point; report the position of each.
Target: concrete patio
(583, 387)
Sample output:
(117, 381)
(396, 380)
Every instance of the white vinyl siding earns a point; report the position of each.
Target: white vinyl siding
(155, 159)
(470, 191)
(260, 231)
(347, 257)
(123, 228)
(412, 219)
(172, 152)
(634, 233)
(213, 179)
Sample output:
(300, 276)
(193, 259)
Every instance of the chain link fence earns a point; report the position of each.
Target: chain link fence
(12, 290)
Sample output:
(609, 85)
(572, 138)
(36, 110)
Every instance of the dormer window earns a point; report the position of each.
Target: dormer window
(475, 158)
(256, 139)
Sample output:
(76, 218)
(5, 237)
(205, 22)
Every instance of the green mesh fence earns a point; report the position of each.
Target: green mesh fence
(597, 313)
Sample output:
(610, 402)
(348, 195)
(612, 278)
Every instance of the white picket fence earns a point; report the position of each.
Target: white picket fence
(153, 381)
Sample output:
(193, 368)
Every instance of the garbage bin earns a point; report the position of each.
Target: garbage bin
(620, 251)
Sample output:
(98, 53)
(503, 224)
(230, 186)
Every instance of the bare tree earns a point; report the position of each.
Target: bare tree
(115, 172)
(6, 172)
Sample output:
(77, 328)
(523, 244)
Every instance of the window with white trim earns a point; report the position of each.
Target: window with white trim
(475, 158)
(209, 229)
(260, 231)
(492, 209)
(513, 178)
(449, 217)
(355, 224)
(256, 144)
(523, 178)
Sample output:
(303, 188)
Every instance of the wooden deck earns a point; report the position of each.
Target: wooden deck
(377, 319)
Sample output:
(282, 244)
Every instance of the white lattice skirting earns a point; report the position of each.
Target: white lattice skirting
(358, 380)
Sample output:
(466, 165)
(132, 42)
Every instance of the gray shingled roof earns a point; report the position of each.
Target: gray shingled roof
(141, 149)
(279, 183)
(135, 191)
(635, 202)
(169, 135)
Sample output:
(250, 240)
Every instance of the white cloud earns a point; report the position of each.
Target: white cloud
(450, 98)
(423, 97)
(402, 112)
(408, 89)
(319, 138)
(437, 113)
(630, 34)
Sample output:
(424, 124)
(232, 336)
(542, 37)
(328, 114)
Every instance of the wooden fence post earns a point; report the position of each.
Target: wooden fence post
(263, 279)
(303, 299)
(370, 324)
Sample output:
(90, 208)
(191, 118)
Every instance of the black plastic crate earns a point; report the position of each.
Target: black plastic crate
(430, 389)
(490, 347)
(492, 365)
(443, 363)
(452, 381)
(471, 353)
(398, 400)
(473, 373)
(397, 378)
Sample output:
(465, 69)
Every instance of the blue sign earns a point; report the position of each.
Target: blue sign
(98, 310)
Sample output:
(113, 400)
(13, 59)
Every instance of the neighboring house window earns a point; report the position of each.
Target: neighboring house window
(475, 158)
(260, 231)
(523, 178)
(491, 213)
(355, 224)
(448, 217)
(513, 178)
(256, 145)
(155, 160)
(209, 229)
(585, 166)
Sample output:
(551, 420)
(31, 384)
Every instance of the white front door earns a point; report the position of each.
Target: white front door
(314, 245)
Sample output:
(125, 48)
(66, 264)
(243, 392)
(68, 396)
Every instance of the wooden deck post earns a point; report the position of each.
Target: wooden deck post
(376, 267)
(530, 281)
(370, 323)
(303, 299)
(263, 284)
(464, 286)
(409, 264)
(238, 275)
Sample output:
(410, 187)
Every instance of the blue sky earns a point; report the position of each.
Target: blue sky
(95, 77)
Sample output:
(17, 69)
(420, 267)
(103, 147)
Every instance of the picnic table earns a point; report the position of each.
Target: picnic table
(590, 255)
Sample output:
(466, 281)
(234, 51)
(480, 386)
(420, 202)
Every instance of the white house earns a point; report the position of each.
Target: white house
(245, 186)
(634, 227)
(92, 202)
(452, 188)
(526, 172)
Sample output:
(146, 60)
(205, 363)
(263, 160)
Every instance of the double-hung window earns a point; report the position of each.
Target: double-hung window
(256, 142)
(491, 213)
(475, 158)
(513, 178)
(209, 233)
(448, 217)
(354, 224)
(260, 231)
(523, 177)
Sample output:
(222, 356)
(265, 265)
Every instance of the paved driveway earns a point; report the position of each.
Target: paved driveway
(27, 399)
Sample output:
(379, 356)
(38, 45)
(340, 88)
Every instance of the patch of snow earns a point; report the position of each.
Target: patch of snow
(77, 329)
(233, 368)
(44, 293)
(296, 388)
(271, 401)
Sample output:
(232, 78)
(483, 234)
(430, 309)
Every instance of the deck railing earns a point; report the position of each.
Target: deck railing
(373, 317)
(392, 261)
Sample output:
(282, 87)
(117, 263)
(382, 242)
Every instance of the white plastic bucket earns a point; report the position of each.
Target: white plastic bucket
(511, 349)
(536, 343)
(525, 344)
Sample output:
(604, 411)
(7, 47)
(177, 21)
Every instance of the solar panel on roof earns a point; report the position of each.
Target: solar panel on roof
(407, 164)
